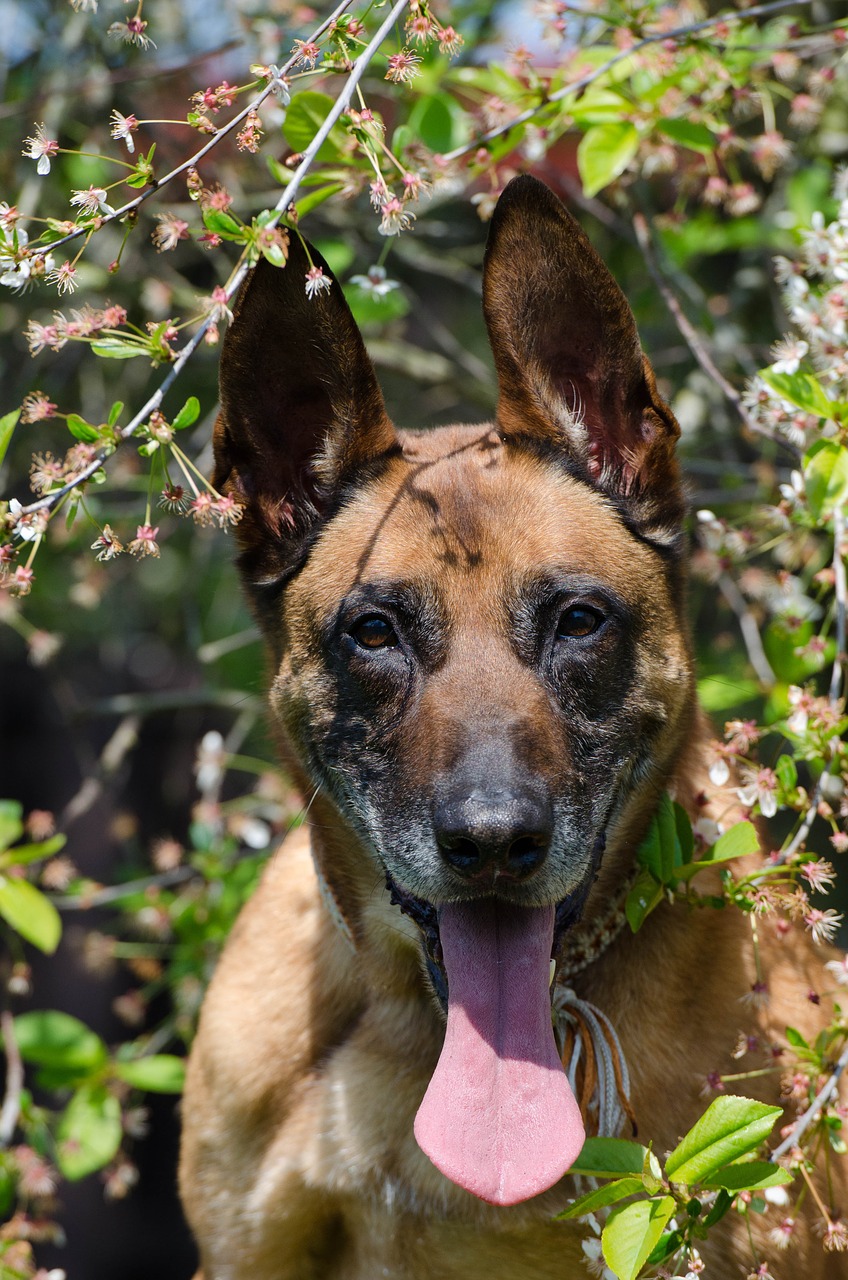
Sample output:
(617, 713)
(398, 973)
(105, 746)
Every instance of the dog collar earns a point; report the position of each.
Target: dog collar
(587, 941)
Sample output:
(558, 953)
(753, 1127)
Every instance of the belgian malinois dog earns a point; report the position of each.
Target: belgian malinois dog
(482, 682)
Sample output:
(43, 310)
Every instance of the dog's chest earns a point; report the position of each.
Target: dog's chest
(379, 1240)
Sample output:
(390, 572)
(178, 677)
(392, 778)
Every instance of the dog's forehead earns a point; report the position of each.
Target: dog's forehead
(460, 501)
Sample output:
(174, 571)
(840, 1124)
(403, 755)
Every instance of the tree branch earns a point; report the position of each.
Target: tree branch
(821, 1099)
(14, 1080)
(240, 271)
(750, 631)
(111, 758)
(114, 892)
(694, 339)
(659, 37)
(192, 161)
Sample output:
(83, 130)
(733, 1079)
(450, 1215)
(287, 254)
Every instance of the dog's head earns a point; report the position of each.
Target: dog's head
(477, 631)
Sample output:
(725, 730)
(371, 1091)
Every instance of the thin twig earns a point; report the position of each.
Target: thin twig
(14, 1080)
(114, 893)
(146, 704)
(750, 631)
(164, 879)
(694, 340)
(659, 37)
(821, 1099)
(240, 271)
(215, 649)
(112, 757)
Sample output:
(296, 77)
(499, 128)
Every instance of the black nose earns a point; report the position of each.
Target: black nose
(481, 836)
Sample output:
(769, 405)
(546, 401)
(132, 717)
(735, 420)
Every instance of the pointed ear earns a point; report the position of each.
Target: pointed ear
(300, 407)
(570, 366)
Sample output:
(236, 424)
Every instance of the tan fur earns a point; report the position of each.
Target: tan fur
(299, 1161)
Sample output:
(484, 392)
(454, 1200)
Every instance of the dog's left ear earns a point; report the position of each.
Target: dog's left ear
(300, 407)
(570, 366)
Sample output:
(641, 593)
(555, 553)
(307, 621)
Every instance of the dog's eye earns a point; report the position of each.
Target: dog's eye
(578, 621)
(374, 632)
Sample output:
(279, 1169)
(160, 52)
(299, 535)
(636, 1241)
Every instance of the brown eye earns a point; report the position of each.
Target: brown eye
(578, 621)
(374, 632)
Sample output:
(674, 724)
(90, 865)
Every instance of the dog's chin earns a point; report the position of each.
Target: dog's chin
(425, 915)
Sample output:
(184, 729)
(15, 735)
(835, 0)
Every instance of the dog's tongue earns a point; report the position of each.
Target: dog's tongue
(499, 1117)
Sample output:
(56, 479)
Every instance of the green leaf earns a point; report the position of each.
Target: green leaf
(796, 1039)
(89, 1132)
(649, 853)
(651, 1174)
(753, 1175)
(82, 430)
(112, 349)
(223, 224)
(403, 137)
(730, 1127)
(668, 1243)
(826, 477)
(631, 1234)
(115, 413)
(697, 137)
(781, 638)
(11, 822)
(32, 915)
(741, 839)
(787, 772)
(801, 389)
(597, 106)
(604, 152)
(50, 1038)
(610, 1193)
(337, 254)
(439, 122)
(645, 895)
(717, 694)
(8, 1197)
(160, 1073)
(685, 835)
(667, 831)
(189, 413)
(369, 310)
(306, 113)
(610, 1158)
(22, 854)
(275, 254)
(312, 201)
(7, 425)
(723, 1202)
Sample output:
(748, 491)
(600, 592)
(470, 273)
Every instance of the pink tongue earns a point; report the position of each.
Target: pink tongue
(499, 1117)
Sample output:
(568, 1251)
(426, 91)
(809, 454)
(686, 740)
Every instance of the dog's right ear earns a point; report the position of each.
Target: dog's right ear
(571, 372)
(300, 406)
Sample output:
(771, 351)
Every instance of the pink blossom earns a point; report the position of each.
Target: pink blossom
(41, 148)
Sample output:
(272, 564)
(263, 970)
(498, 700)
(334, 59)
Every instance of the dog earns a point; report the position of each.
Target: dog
(482, 683)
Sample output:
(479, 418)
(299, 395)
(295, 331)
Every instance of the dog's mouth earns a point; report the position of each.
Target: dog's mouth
(426, 916)
(499, 1117)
